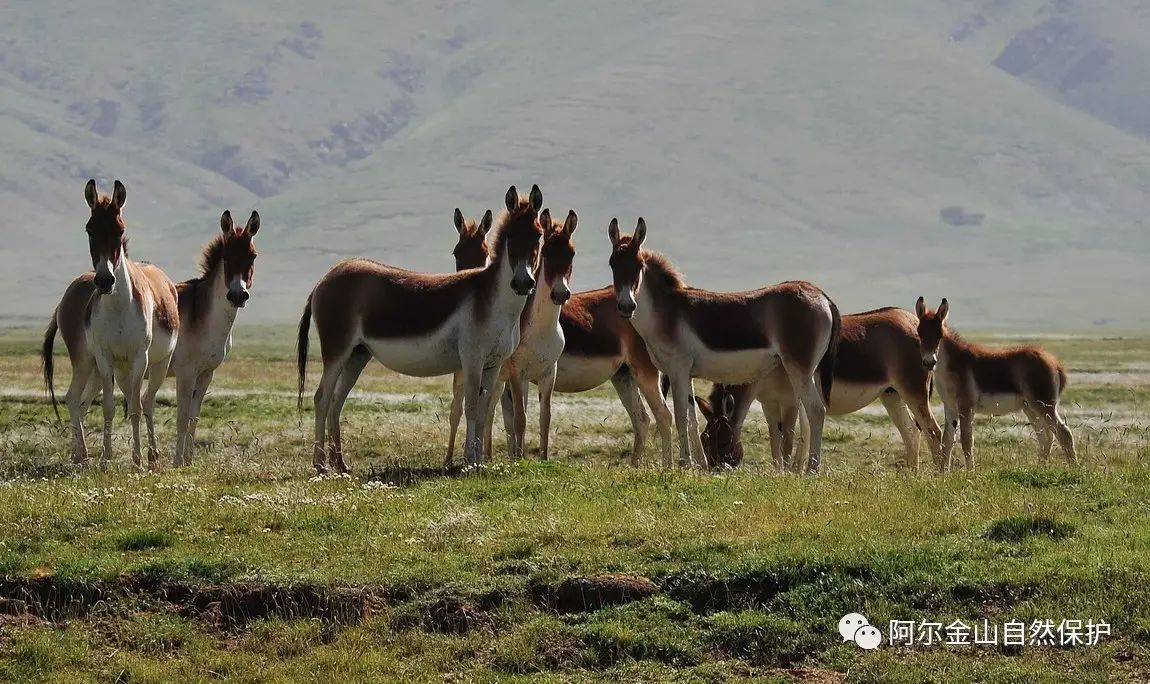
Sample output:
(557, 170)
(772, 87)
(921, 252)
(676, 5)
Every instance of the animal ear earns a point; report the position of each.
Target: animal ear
(640, 232)
(545, 221)
(920, 307)
(90, 193)
(571, 222)
(119, 194)
(613, 232)
(253, 223)
(943, 309)
(728, 404)
(485, 224)
(704, 407)
(458, 220)
(512, 198)
(226, 223)
(536, 198)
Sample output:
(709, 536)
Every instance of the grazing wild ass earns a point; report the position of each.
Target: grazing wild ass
(878, 357)
(421, 324)
(730, 338)
(120, 325)
(972, 378)
(599, 346)
(208, 308)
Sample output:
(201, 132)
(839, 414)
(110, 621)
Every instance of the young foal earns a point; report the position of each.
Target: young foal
(208, 308)
(731, 338)
(422, 325)
(878, 358)
(119, 323)
(972, 378)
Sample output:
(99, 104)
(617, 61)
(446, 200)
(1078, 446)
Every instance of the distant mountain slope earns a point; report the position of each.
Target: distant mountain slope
(761, 141)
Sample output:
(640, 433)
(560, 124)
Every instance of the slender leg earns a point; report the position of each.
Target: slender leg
(774, 420)
(950, 416)
(109, 390)
(324, 395)
(919, 407)
(624, 383)
(1065, 437)
(156, 375)
(133, 389)
(480, 383)
(519, 386)
(1042, 431)
(360, 356)
(899, 414)
(185, 386)
(457, 392)
(546, 389)
(966, 428)
(792, 456)
(808, 395)
(83, 377)
(500, 388)
(681, 395)
(197, 403)
(507, 407)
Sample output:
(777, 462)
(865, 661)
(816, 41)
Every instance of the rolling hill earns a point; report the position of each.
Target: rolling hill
(761, 141)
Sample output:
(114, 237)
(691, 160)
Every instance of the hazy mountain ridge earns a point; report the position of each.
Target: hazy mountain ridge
(760, 142)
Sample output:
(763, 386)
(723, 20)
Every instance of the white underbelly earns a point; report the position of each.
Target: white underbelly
(582, 373)
(848, 397)
(998, 404)
(426, 356)
(734, 367)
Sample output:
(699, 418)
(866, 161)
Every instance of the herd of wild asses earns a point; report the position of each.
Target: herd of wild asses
(507, 318)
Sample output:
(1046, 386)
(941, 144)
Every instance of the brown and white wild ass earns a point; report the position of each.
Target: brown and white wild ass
(973, 378)
(421, 324)
(878, 357)
(208, 308)
(541, 340)
(598, 346)
(120, 325)
(730, 338)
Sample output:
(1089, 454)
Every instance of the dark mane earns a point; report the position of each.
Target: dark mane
(211, 256)
(662, 273)
(503, 227)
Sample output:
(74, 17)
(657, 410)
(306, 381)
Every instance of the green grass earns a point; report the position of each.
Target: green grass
(247, 567)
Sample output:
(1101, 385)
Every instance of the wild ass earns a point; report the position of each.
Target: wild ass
(972, 378)
(878, 357)
(421, 324)
(226, 272)
(208, 308)
(541, 340)
(120, 324)
(598, 346)
(730, 338)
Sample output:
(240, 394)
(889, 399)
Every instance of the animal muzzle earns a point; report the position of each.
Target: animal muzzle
(523, 285)
(560, 296)
(105, 282)
(238, 299)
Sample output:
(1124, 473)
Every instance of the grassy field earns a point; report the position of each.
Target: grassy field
(246, 567)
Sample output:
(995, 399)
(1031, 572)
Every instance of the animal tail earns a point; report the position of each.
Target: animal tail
(301, 348)
(826, 366)
(49, 363)
(1062, 379)
(664, 384)
(930, 388)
